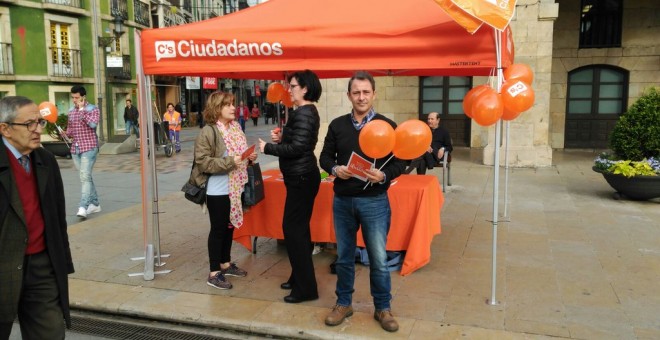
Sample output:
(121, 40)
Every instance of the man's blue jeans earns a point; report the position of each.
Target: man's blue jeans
(130, 126)
(373, 213)
(84, 162)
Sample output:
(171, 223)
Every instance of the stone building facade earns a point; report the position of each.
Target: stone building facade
(546, 35)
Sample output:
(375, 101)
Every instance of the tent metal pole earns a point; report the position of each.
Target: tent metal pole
(496, 176)
(505, 215)
(154, 191)
(148, 162)
(496, 171)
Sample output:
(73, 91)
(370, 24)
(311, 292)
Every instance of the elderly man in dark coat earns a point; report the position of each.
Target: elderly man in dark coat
(34, 245)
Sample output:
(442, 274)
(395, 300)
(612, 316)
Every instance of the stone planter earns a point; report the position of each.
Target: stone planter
(57, 148)
(635, 188)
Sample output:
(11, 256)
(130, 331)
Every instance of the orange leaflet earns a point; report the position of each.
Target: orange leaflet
(357, 165)
(248, 152)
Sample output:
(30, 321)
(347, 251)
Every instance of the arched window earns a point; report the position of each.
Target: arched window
(597, 90)
(595, 98)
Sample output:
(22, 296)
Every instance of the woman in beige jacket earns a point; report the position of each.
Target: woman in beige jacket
(218, 150)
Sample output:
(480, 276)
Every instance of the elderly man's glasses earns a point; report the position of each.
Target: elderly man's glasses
(31, 125)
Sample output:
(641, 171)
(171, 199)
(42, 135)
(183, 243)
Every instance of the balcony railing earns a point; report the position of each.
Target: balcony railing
(66, 63)
(70, 3)
(6, 63)
(124, 72)
(142, 15)
(174, 19)
(119, 8)
(211, 10)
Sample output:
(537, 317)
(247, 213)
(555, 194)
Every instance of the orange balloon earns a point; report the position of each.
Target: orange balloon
(509, 115)
(412, 139)
(468, 100)
(376, 138)
(487, 109)
(520, 72)
(48, 111)
(517, 95)
(275, 92)
(286, 99)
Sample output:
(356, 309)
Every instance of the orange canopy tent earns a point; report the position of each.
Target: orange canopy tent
(333, 38)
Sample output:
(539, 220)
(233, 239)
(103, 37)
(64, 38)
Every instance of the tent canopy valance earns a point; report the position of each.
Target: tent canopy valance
(332, 37)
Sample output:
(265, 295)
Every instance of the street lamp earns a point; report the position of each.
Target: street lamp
(118, 30)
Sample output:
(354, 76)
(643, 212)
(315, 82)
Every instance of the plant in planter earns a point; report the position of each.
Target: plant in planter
(633, 167)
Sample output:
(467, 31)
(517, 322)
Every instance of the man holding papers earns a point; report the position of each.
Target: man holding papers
(356, 205)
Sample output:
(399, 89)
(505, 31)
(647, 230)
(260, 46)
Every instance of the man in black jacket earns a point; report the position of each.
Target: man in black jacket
(355, 206)
(131, 118)
(34, 245)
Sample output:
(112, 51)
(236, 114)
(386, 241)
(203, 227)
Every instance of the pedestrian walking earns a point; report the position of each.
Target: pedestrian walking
(34, 244)
(131, 116)
(173, 117)
(255, 114)
(81, 127)
(243, 114)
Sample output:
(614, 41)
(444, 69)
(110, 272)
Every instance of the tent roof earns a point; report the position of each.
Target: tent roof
(330, 37)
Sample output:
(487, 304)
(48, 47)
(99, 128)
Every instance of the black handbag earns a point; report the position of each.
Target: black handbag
(253, 192)
(192, 192)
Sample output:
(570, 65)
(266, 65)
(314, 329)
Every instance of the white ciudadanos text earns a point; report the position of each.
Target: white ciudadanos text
(190, 48)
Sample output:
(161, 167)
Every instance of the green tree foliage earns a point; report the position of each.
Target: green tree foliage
(636, 135)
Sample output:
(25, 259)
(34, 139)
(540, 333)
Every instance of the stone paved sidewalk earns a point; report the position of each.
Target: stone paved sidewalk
(572, 263)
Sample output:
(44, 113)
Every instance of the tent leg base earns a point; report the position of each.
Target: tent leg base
(156, 272)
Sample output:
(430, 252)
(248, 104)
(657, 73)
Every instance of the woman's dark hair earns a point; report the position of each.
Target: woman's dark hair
(308, 79)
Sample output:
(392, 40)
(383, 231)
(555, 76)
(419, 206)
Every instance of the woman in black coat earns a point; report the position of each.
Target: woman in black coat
(294, 145)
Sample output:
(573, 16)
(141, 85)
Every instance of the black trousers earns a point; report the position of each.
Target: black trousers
(421, 163)
(300, 194)
(39, 312)
(221, 235)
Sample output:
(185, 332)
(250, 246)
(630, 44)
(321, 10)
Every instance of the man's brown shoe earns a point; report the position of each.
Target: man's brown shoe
(386, 320)
(338, 314)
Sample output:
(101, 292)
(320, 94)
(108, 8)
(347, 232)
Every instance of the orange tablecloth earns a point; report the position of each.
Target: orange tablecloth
(416, 201)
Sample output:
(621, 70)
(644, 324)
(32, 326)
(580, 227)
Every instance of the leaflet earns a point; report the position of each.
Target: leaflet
(357, 165)
(248, 152)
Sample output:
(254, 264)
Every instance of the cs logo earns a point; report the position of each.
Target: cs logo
(165, 49)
